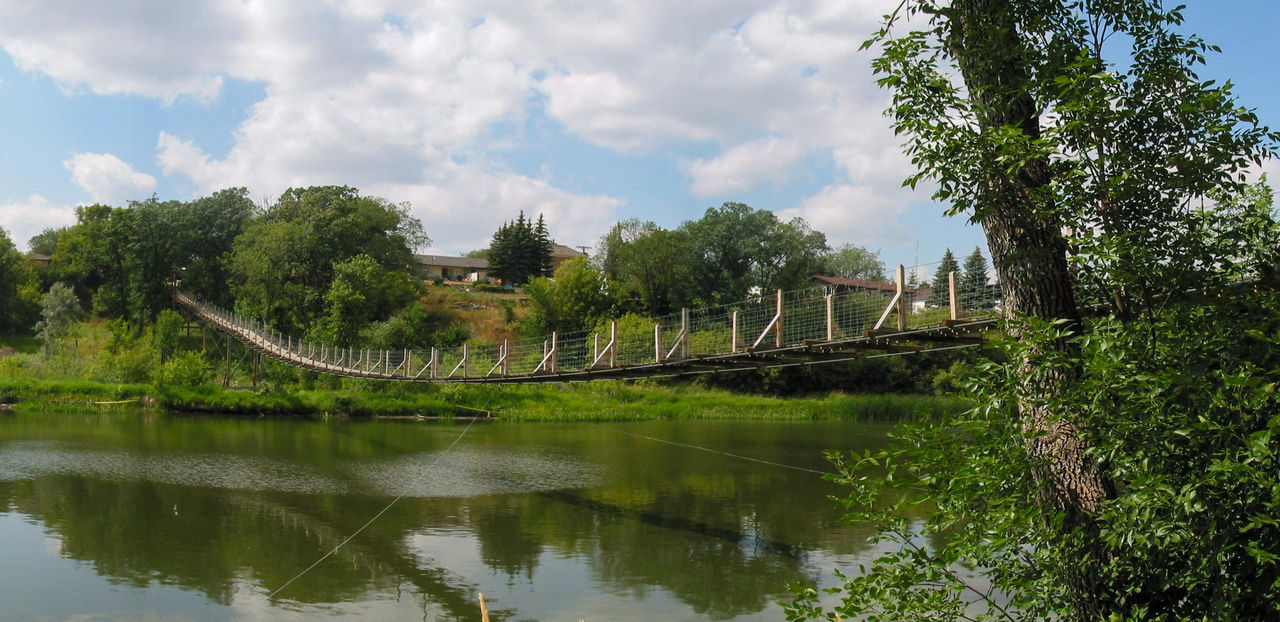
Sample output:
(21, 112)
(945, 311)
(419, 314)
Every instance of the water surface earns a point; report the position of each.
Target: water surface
(143, 517)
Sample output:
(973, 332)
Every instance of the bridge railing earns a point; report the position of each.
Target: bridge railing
(761, 323)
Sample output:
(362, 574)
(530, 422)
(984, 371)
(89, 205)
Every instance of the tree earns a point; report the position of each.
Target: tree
(18, 285)
(855, 262)
(94, 257)
(59, 311)
(939, 296)
(647, 264)
(520, 250)
(284, 262)
(570, 301)
(45, 242)
(165, 331)
(1032, 123)
(972, 284)
(735, 248)
(212, 224)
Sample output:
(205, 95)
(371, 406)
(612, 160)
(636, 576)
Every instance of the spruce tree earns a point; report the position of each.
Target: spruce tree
(975, 291)
(520, 251)
(940, 296)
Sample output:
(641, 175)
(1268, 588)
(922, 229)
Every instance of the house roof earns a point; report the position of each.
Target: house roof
(446, 261)
(39, 257)
(560, 251)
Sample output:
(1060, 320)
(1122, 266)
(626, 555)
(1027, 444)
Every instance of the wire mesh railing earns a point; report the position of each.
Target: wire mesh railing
(840, 311)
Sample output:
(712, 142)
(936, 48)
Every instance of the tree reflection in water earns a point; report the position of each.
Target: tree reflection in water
(724, 538)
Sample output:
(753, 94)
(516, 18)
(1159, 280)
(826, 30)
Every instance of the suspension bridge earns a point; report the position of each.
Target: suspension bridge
(840, 320)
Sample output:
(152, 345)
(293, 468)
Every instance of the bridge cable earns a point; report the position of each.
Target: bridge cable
(378, 515)
(722, 453)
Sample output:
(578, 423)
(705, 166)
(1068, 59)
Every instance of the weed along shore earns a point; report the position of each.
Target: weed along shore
(602, 401)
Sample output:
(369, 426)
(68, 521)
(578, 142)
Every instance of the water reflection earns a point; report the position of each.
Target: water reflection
(549, 521)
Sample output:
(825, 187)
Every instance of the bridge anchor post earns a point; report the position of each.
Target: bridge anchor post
(954, 299)
(902, 299)
(777, 340)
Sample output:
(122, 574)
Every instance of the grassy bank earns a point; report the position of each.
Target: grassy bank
(605, 401)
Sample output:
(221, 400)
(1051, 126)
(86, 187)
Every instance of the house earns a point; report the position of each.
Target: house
(39, 260)
(561, 253)
(472, 269)
(469, 269)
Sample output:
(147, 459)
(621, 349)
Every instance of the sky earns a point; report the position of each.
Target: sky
(586, 112)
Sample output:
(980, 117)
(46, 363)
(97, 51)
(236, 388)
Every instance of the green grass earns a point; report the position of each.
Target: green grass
(44, 393)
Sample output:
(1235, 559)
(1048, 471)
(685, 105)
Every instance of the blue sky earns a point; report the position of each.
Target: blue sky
(588, 114)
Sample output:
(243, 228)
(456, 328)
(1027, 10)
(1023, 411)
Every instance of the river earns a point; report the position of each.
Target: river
(149, 517)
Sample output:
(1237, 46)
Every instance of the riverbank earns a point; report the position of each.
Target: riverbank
(601, 401)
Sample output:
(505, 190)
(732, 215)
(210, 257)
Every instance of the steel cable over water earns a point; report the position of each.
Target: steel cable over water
(722, 453)
(375, 516)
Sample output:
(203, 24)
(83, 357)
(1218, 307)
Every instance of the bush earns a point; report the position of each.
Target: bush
(186, 369)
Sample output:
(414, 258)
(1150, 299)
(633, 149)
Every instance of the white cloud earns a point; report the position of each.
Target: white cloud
(108, 179)
(745, 166)
(24, 219)
(464, 205)
(406, 107)
(856, 214)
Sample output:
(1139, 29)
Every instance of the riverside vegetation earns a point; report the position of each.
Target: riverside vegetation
(102, 364)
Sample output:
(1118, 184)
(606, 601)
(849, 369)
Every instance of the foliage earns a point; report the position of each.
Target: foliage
(45, 242)
(211, 225)
(520, 251)
(647, 264)
(1162, 415)
(972, 283)
(59, 310)
(571, 301)
(1192, 430)
(284, 262)
(186, 369)
(19, 289)
(855, 262)
(414, 327)
(735, 248)
(940, 294)
(164, 333)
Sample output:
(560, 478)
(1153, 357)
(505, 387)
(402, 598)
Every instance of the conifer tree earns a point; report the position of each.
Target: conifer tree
(975, 292)
(940, 296)
(520, 251)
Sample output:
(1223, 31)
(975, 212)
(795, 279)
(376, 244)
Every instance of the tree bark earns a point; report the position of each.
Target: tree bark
(1029, 252)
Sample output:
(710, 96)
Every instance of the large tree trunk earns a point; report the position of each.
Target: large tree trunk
(1029, 252)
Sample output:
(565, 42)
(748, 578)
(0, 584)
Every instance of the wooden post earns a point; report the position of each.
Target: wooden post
(465, 360)
(955, 300)
(831, 314)
(732, 328)
(226, 378)
(554, 351)
(257, 356)
(657, 343)
(613, 340)
(778, 339)
(407, 356)
(506, 357)
(431, 366)
(903, 305)
(684, 330)
(595, 347)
